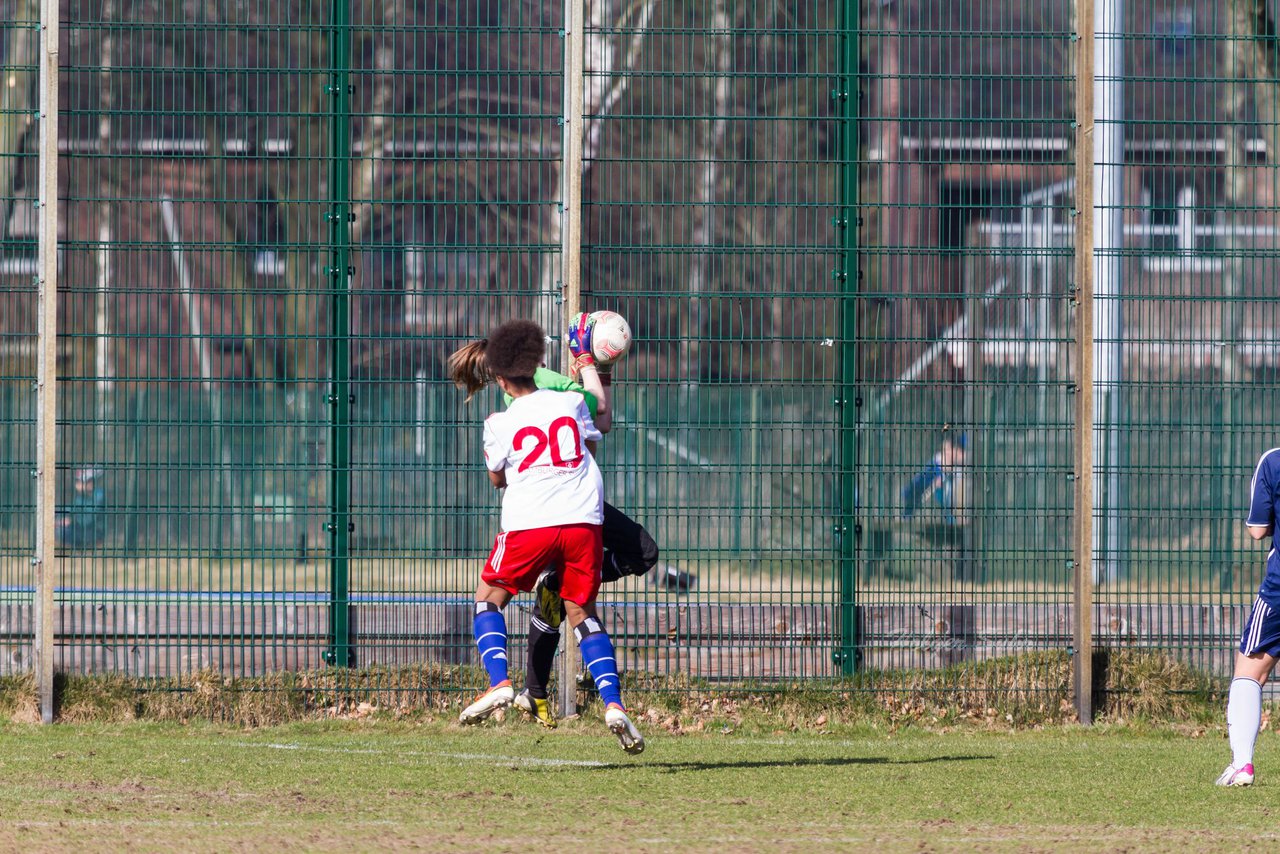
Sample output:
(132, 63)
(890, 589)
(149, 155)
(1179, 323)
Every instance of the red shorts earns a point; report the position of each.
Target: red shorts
(519, 557)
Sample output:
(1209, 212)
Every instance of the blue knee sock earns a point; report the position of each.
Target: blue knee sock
(490, 629)
(597, 654)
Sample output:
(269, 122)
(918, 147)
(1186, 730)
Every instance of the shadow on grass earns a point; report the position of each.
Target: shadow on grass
(834, 762)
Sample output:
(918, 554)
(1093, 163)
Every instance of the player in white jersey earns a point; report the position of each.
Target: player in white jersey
(629, 549)
(539, 450)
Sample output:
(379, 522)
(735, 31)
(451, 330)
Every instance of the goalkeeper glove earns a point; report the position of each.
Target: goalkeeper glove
(579, 338)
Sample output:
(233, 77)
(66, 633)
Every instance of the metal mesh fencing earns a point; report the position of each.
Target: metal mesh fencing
(844, 234)
(1187, 301)
(18, 272)
(458, 117)
(279, 222)
(972, 309)
(193, 408)
(965, 336)
(710, 185)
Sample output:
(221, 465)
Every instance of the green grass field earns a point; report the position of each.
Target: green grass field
(387, 784)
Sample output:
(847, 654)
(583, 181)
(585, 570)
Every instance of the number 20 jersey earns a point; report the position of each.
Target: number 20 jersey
(540, 440)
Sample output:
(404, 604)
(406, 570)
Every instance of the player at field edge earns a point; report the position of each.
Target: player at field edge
(629, 549)
(540, 450)
(1260, 640)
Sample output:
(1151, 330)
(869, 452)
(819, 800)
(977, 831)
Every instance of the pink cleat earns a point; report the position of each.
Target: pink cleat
(1234, 776)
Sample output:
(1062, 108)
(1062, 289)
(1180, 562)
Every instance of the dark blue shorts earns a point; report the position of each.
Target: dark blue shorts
(1261, 630)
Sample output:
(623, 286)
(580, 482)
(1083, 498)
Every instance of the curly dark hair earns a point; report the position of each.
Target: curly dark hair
(515, 350)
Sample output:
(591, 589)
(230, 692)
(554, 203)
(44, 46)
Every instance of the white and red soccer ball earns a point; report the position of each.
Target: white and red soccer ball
(610, 337)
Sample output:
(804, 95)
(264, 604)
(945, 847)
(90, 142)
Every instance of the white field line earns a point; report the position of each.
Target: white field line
(467, 757)
(271, 822)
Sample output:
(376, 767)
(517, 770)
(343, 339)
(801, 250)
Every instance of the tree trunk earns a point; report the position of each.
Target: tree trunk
(365, 176)
(603, 93)
(305, 179)
(15, 103)
(1259, 64)
(705, 194)
(235, 264)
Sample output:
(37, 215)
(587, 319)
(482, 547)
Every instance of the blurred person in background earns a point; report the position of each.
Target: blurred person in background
(83, 523)
(937, 493)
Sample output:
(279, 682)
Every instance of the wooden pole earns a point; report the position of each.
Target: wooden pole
(46, 474)
(1082, 575)
(571, 258)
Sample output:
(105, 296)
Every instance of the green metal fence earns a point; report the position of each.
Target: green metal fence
(965, 339)
(972, 316)
(844, 233)
(18, 321)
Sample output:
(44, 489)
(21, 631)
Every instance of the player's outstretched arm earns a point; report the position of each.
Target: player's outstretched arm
(592, 380)
(585, 371)
(597, 341)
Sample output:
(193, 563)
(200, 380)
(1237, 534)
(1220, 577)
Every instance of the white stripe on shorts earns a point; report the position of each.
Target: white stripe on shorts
(1253, 627)
(499, 548)
(1260, 612)
(1262, 619)
(1263, 613)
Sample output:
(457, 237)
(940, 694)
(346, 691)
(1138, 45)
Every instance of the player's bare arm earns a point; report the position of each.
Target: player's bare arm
(591, 380)
(498, 479)
(1261, 532)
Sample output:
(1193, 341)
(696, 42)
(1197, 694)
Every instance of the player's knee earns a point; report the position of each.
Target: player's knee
(576, 613)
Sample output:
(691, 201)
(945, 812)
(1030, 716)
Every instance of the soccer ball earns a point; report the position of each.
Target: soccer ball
(610, 337)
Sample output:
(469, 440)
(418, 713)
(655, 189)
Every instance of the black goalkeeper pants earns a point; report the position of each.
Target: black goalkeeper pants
(628, 548)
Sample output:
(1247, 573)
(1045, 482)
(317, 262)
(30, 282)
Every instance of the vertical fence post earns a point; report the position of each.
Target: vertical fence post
(848, 97)
(571, 252)
(1082, 508)
(46, 360)
(340, 216)
(1107, 229)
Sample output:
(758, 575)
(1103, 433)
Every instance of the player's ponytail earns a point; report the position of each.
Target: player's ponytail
(467, 368)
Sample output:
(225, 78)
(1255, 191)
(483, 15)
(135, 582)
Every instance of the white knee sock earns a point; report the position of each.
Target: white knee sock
(1244, 716)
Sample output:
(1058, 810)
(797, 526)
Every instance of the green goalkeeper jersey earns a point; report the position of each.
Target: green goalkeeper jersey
(555, 381)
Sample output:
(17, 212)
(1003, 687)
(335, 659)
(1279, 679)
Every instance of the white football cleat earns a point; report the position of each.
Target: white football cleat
(497, 697)
(621, 726)
(1234, 776)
